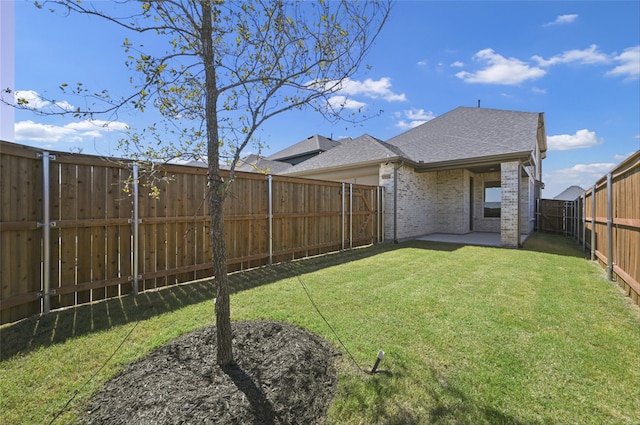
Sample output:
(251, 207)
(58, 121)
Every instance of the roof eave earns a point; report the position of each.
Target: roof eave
(472, 162)
(348, 166)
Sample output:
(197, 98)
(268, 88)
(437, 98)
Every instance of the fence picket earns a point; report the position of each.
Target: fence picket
(92, 244)
(610, 228)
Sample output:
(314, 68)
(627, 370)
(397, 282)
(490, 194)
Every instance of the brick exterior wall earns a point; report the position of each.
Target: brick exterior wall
(480, 222)
(440, 202)
(510, 205)
(452, 201)
(416, 202)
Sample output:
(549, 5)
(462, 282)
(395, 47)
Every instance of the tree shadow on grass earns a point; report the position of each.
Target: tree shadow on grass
(443, 403)
(60, 325)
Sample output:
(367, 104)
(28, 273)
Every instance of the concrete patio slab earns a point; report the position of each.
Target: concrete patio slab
(473, 238)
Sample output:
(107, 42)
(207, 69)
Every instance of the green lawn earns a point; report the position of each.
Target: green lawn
(472, 335)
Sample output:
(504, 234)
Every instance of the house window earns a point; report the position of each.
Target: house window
(492, 197)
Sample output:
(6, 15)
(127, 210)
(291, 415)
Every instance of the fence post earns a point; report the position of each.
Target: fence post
(350, 215)
(270, 180)
(378, 214)
(382, 213)
(576, 220)
(609, 230)
(583, 202)
(135, 220)
(593, 223)
(342, 235)
(564, 217)
(46, 225)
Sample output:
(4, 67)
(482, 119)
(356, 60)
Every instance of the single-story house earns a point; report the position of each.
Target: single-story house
(468, 170)
(570, 194)
(281, 161)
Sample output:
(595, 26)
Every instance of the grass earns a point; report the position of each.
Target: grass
(472, 335)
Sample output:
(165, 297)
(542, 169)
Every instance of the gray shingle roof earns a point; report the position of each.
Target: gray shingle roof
(570, 194)
(359, 150)
(256, 164)
(466, 133)
(315, 143)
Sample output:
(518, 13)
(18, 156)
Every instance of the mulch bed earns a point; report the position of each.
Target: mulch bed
(283, 375)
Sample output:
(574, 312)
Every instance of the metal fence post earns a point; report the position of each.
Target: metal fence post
(564, 217)
(135, 220)
(383, 211)
(378, 214)
(270, 180)
(350, 215)
(46, 225)
(584, 221)
(593, 223)
(609, 230)
(578, 214)
(343, 216)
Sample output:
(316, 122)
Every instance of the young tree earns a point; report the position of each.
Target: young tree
(226, 68)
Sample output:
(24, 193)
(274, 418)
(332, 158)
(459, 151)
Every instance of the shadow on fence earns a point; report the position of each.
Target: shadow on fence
(71, 234)
(60, 325)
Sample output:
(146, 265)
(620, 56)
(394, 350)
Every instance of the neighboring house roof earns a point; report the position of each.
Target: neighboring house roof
(361, 150)
(466, 133)
(570, 194)
(257, 164)
(309, 147)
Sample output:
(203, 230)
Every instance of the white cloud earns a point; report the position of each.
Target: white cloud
(539, 90)
(587, 174)
(371, 88)
(582, 139)
(583, 175)
(422, 62)
(590, 55)
(457, 64)
(342, 102)
(500, 70)
(598, 169)
(33, 100)
(629, 64)
(562, 19)
(620, 158)
(73, 132)
(416, 117)
(512, 71)
(30, 98)
(98, 125)
(38, 132)
(628, 61)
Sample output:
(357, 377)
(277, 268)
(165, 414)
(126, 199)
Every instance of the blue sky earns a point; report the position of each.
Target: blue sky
(578, 62)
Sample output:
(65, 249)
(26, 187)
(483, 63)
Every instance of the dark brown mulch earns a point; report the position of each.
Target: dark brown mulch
(283, 375)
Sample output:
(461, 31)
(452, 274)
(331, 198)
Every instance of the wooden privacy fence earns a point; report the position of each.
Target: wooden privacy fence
(606, 221)
(556, 216)
(72, 230)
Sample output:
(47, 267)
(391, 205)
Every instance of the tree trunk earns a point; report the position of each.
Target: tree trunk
(222, 305)
(217, 194)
